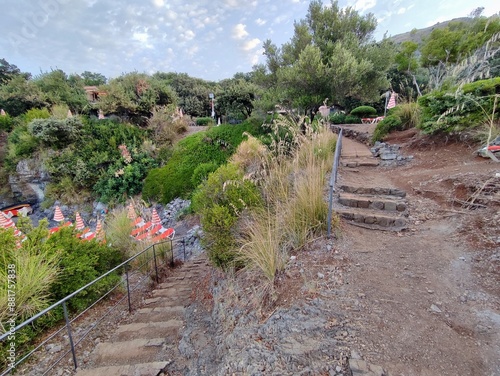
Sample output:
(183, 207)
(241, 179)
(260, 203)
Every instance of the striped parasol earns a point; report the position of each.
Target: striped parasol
(131, 212)
(79, 222)
(69, 114)
(2, 112)
(58, 215)
(6, 222)
(99, 233)
(155, 220)
(392, 101)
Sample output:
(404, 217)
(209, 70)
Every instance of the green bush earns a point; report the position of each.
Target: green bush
(201, 172)
(220, 200)
(351, 119)
(364, 111)
(215, 146)
(56, 133)
(384, 127)
(35, 113)
(6, 123)
(205, 121)
(337, 118)
(82, 262)
(460, 109)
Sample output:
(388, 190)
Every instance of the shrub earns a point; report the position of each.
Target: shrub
(56, 133)
(384, 127)
(35, 113)
(220, 200)
(213, 146)
(201, 172)
(351, 119)
(408, 113)
(337, 118)
(364, 111)
(205, 121)
(461, 109)
(6, 123)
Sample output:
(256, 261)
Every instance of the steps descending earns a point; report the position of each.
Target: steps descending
(148, 342)
(373, 207)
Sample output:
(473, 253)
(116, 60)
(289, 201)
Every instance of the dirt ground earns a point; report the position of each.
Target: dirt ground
(428, 298)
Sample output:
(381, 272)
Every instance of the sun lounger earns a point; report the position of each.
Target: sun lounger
(167, 234)
(141, 229)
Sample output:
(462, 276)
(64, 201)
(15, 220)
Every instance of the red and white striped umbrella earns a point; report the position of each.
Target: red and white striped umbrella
(6, 222)
(79, 222)
(131, 212)
(2, 112)
(392, 101)
(69, 114)
(155, 220)
(99, 233)
(58, 215)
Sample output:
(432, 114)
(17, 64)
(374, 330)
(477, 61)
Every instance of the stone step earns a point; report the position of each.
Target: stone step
(384, 191)
(130, 352)
(373, 219)
(148, 330)
(359, 162)
(177, 293)
(141, 369)
(158, 314)
(387, 203)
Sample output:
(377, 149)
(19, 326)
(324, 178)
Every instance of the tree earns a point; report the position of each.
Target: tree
(236, 95)
(7, 71)
(93, 79)
(20, 94)
(134, 95)
(57, 88)
(407, 62)
(332, 55)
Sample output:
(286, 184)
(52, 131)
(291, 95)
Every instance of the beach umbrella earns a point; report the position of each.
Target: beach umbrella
(6, 222)
(79, 222)
(180, 112)
(392, 101)
(155, 220)
(99, 233)
(131, 212)
(70, 114)
(101, 114)
(2, 112)
(58, 215)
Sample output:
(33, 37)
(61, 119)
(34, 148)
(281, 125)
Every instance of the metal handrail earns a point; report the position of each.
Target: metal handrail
(63, 303)
(333, 180)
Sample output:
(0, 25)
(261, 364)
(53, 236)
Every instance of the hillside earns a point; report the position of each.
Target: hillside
(418, 35)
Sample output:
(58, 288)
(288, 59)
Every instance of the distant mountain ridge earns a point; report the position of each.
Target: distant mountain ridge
(418, 35)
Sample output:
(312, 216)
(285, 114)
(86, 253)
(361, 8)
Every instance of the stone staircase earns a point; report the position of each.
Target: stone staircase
(145, 345)
(373, 207)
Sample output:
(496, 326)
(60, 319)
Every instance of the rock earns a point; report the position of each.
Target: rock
(55, 349)
(321, 275)
(435, 308)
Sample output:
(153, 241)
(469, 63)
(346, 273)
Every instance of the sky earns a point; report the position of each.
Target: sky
(208, 39)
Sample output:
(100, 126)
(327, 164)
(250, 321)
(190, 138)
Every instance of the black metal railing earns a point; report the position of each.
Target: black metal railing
(136, 270)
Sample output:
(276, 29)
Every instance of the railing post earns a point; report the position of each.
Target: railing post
(128, 289)
(156, 266)
(68, 326)
(184, 247)
(333, 180)
(172, 250)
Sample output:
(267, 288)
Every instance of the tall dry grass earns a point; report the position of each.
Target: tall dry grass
(294, 189)
(118, 228)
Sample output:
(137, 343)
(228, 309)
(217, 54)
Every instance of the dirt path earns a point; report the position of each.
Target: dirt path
(428, 304)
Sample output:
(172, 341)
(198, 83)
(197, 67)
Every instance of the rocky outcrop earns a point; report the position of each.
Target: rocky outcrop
(28, 183)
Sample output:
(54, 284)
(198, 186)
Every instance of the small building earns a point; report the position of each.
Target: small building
(93, 93)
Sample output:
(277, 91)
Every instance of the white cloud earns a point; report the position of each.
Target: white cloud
(260, 21)
(158, 3)
(250, 44)
(239, 31)
(363, 5)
